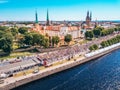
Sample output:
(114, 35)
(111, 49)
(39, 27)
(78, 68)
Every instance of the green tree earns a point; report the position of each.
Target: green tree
(14, 31)
(37, 39)
(104, 44)
(21, 42)
(89, 34)
(97, 32)
(93, 47)
(28, 39)
(23, 30)
(55, 40)
(104, 33)
(45, 43)
(6, 42)
(68, 38)
(3, 28)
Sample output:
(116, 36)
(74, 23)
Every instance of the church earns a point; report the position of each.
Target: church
(87, 24)
(60, 30)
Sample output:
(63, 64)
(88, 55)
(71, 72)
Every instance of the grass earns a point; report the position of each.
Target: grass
(18, 54)
(84, 41)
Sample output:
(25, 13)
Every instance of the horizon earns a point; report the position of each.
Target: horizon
(72, 10)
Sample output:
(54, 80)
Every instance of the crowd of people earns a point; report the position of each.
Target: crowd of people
(51, 57)
(39, 59)
(59, 55)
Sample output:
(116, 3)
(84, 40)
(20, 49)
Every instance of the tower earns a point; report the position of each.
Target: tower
(88, 19)
(87, 15)
(36, 18)
(47, 22)
(36, 22)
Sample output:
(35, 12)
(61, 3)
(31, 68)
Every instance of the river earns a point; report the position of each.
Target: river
(100, 74)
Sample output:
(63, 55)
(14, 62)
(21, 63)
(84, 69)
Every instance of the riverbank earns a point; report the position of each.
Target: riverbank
(15, 82)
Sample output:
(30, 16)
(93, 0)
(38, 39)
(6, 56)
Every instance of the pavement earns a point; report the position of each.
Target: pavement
(21, 75)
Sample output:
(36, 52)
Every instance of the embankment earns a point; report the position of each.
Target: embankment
(50, 71)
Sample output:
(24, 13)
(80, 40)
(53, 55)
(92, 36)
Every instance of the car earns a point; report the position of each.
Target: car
(36, 71)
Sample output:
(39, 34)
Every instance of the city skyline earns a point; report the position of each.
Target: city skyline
(75, 10)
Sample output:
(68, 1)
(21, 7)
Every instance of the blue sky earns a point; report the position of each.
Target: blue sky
(24, 10)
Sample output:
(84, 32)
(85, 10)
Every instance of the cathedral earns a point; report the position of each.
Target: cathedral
(87, 24)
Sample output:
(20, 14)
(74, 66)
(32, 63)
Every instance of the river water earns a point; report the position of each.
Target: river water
(100, 74)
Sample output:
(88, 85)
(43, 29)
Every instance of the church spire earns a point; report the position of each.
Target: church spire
(88, 19)
(47, 23)
(87, 13)
(36, 17)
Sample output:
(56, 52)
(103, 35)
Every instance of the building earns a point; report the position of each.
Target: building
(88, 18)
(87, 24)
(60, 30)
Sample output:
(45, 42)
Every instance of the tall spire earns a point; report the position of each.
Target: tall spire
(36, 17)
(47, 23)
(87, 13)
(88, 19)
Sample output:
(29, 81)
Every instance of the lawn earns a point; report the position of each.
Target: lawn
(18, 54)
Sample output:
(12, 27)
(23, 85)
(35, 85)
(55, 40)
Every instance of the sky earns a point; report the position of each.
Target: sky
(75, 10)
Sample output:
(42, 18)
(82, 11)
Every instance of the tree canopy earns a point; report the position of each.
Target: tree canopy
(55, 40)
(68, 38)
(6, 42)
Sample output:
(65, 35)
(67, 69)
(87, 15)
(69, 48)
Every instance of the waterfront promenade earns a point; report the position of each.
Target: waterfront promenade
(60, 60)
(18, 81)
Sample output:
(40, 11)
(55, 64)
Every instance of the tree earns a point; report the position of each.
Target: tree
(111, 41)
(68, 38)
(37, 39)
(21, 41)
(3, 28)
(6, 42)
(1, 34)
(55, 40)
(105, 32)
(22, 30)
(93, 47)
(14, 31)
(28, 39)
(45, 43)
(89, 34)
(97, 32)
(104, 44)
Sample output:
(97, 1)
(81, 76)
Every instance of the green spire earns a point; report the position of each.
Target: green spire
(36, 17)
(47, 23)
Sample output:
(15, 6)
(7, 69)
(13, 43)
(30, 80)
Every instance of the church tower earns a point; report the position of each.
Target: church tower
(36, 18)
(88, 18)
(36, 22)
(47, 21)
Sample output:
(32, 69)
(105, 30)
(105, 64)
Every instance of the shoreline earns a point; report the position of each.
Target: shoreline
(52, 70)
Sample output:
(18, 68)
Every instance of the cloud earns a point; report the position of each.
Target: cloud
(3, 1)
